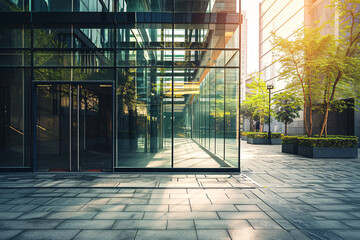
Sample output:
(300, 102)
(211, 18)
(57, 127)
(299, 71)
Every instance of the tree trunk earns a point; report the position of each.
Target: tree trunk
(305, 120)
(325, 120)
(286, 127)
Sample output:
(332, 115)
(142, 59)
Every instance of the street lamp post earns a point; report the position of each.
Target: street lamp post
(269, 87)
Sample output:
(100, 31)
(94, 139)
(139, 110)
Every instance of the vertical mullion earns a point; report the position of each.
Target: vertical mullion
(172, 85)
(70, 125)
(114, 116)
(224, 110)
(78, 127)
(239, 87)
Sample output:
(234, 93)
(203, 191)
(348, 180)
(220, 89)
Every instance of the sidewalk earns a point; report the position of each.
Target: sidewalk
(278, 196)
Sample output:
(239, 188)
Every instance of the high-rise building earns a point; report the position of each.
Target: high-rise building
(284, 18)
(115, 85)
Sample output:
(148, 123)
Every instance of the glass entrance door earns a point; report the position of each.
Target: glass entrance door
(73, 127)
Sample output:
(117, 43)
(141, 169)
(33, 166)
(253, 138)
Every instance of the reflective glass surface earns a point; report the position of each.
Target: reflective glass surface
(140, 88)
(12, 124)
(74, 127)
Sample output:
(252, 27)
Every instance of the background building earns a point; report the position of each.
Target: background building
(284, 18)
(109, 85)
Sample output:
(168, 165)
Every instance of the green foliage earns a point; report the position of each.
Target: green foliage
(287, 107)
(323, 63)
(331, 142)
(256, 102)
(244, 133)
(263, 135)
(290, 139)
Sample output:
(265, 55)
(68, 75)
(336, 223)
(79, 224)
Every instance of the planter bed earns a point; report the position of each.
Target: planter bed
(331, 147)
(326, 152)
(261, 138)
(243, 137)
(274, 141)
(289, 148)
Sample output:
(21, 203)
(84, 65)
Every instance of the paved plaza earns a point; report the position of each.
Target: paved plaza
(277, 196)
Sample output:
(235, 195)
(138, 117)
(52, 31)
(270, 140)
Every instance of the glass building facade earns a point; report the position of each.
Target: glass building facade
(117, 85)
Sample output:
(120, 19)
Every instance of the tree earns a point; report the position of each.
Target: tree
(246, 111)
(258, 99)
(340, 69)
(287, 108)
(324, 66)
(300, 58)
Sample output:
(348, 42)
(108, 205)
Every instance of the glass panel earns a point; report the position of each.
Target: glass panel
(202, 6)
(194, 118)
(75, 74)
(52, 59)
(93, 38)
(80, 58)
(206, 36)
(145, 36)
(95, 127)
(129, 58)
(231, 115)
(203, 58)
(94, 59)
(14, 5)
(53, 109)
(143, 116)
(15, 58)
(145, 6)
(219, 112)
(12, 117)
(52, 37)
(14, 37)
(199, 123)
(73, 6)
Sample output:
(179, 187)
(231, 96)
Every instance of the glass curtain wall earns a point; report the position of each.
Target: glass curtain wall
(174, 70)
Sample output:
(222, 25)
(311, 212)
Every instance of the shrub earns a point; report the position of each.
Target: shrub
(264, 135)
(290, 139)
(244, 133)
(330, 142)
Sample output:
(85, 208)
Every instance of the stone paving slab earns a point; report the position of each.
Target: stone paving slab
(277, 196)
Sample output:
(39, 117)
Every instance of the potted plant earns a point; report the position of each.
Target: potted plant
(331, 147)
(262, 138)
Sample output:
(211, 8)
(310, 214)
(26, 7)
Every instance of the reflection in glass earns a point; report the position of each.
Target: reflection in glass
(14, 6)
(12, 117)
(74, 127)
(143, 114)
(74, 5)
(14, 37)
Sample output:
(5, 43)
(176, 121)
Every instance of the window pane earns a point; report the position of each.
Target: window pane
(12, 117)
(14, 5)
(14, 58)
(145, 6)
(199, 118)
(143, 116)
(203, 6)
(129, 58)
(206, 36)
(52, 37)
(145, 36)
(93, 38)
(14, 37)
(75, 74)
(73, 6)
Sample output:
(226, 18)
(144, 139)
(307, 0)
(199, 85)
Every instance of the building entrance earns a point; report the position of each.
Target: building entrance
(73, 127)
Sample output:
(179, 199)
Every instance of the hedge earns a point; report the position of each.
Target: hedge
(264, 135)
(330, 142)
(290, 139)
